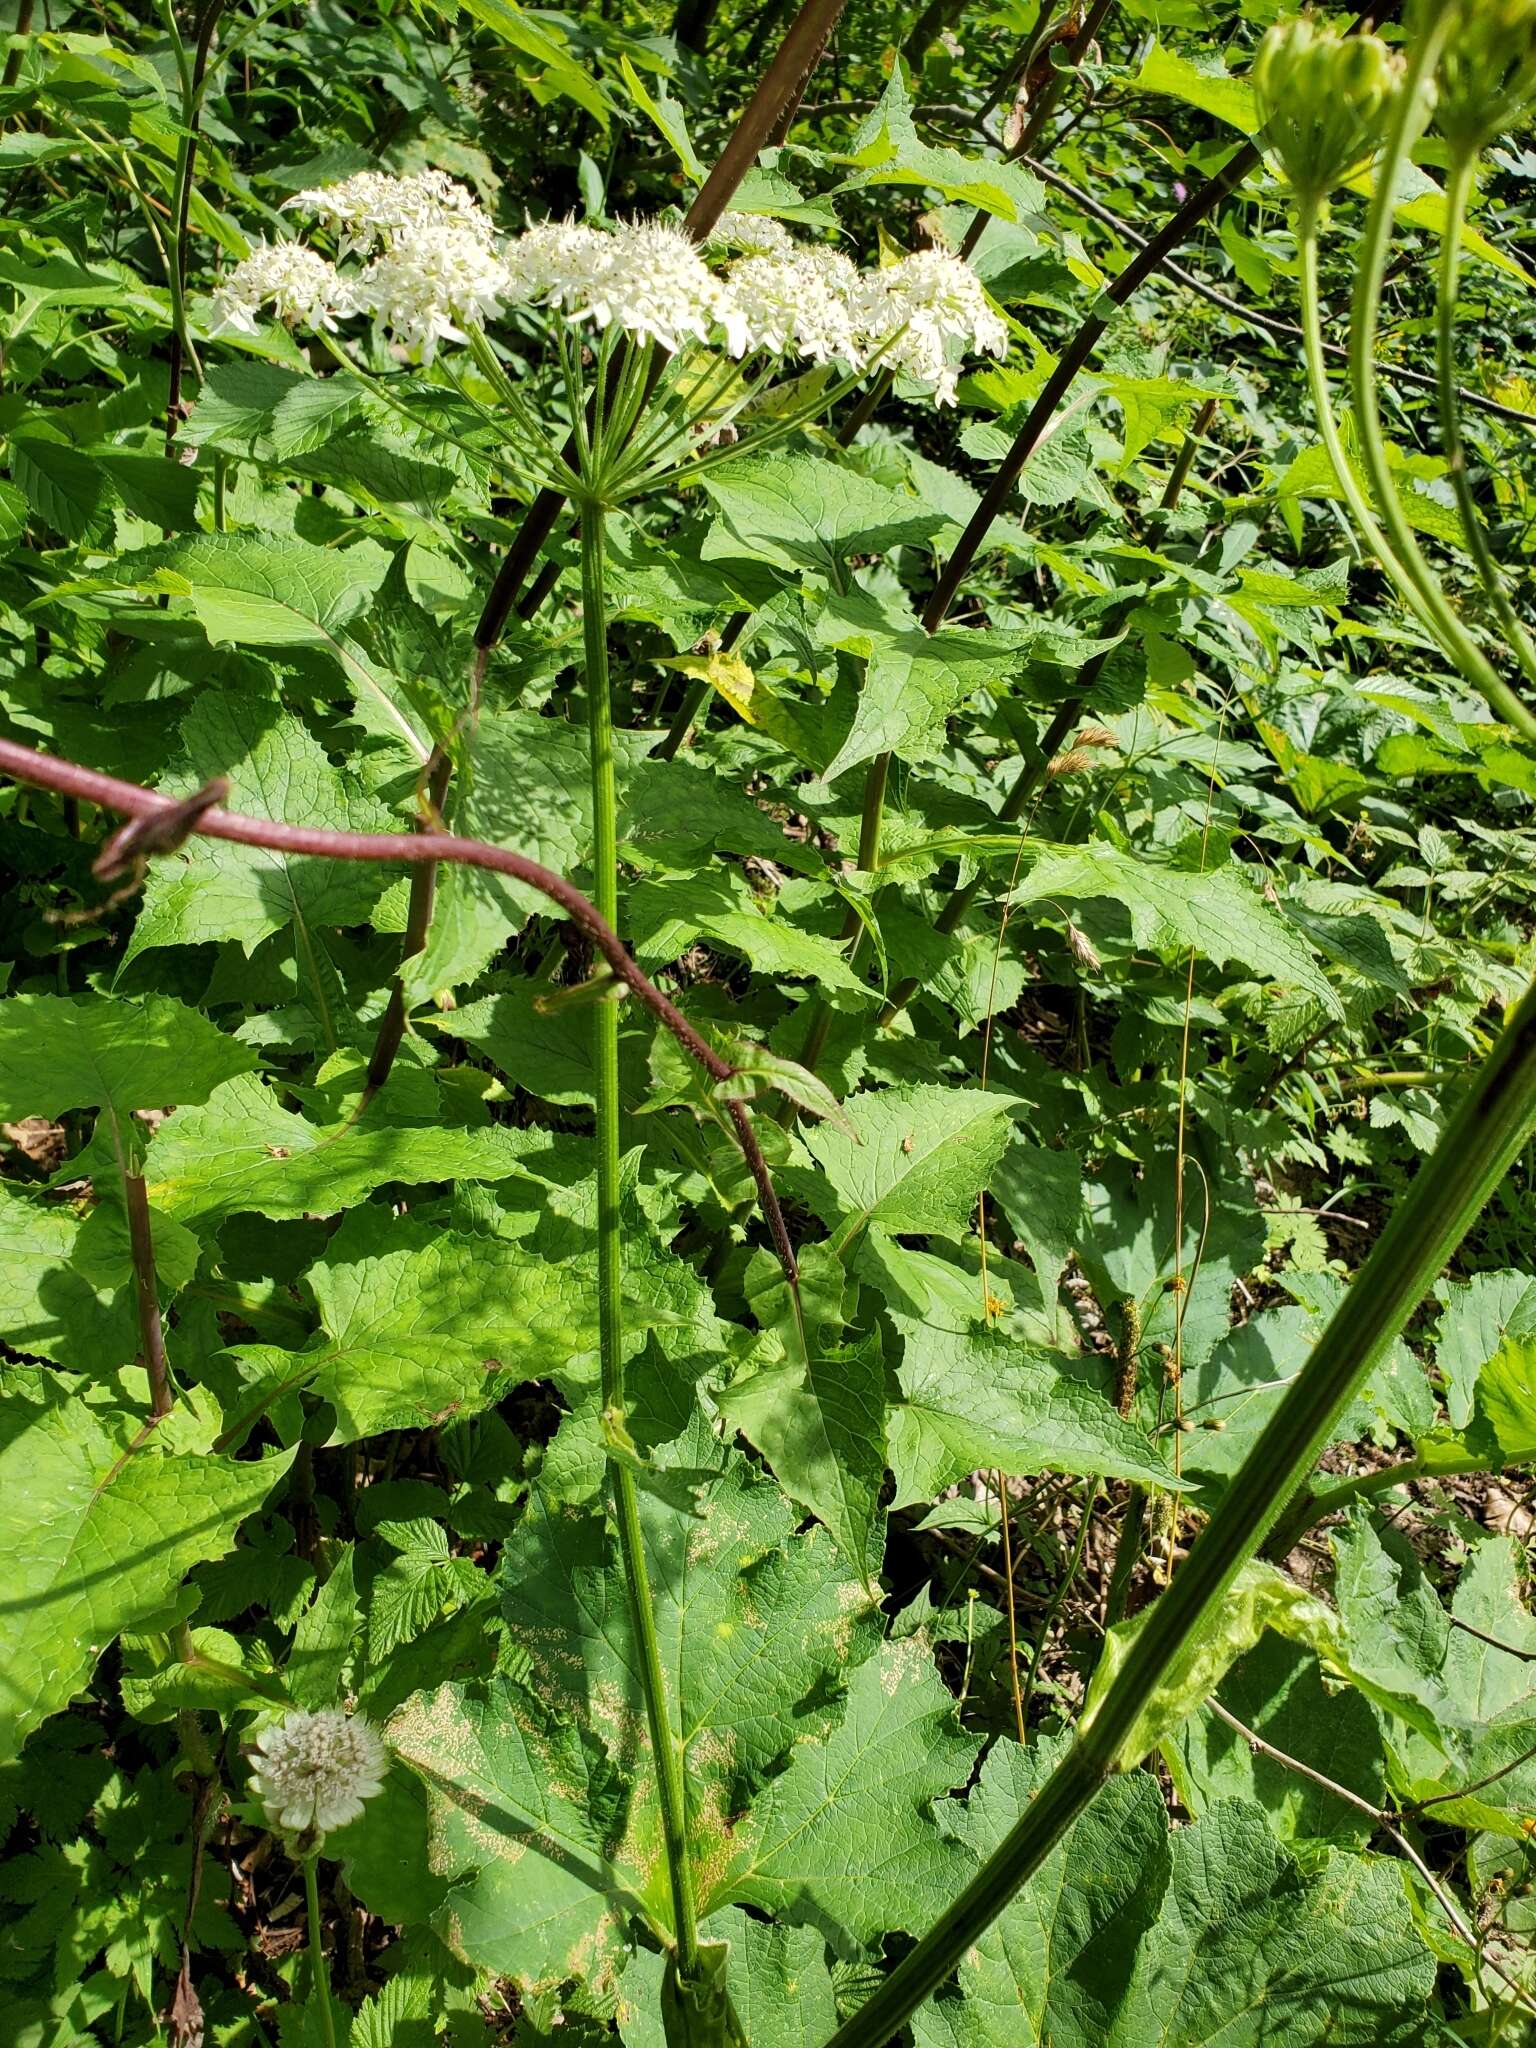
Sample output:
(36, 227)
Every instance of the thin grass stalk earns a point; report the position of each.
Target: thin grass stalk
(670, 1790)
(1458, 185)
(1480, 1143)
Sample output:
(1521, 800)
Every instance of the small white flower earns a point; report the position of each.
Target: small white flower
(556, 263)
(313, 1772)
(301, 287)
(430, 282)
(757, 234)
(805, 304)
(936, 309)
(370, 209)
(645, 278)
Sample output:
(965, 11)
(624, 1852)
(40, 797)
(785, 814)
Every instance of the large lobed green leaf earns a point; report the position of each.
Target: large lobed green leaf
(1131, 1937)
(101, 1517)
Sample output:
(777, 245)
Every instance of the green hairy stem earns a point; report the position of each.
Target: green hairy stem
(1405, 560)
(319, 1974)
(670, 1792)
(1481, 1141)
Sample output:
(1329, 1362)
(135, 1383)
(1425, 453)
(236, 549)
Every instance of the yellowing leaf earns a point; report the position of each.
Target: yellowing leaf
(751, 699)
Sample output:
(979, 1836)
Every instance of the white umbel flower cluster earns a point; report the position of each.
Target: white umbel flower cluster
(805, 303)
(298, 284)
(755, 234)
(436, 269)
(314, 1771)
(371, 209)
(936, 309)
(646, 278)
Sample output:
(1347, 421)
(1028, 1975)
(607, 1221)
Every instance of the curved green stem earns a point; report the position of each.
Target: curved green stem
(1481, 1141)
(670, 1793)
(1458, 186)
(1322, 405)
(320, 1975)
(1429, 599)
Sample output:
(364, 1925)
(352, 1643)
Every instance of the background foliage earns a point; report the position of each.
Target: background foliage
(1226, 962)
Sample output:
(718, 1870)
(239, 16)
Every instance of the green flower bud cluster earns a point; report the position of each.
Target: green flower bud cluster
(1487, 69)
(1324, 102)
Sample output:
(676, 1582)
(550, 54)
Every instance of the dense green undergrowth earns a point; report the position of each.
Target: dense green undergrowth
(724, 1407)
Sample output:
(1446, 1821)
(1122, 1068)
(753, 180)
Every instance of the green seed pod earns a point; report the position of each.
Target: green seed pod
(1487, 70)
(1324, 103)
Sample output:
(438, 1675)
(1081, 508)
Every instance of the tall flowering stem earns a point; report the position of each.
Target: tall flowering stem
(659, 356)
(665, 1749)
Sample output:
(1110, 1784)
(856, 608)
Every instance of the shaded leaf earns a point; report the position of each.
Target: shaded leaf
(100, 1052)
(101, 1521)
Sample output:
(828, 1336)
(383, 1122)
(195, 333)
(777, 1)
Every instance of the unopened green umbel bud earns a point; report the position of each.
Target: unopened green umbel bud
(1324, 102)
(1487, 71)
